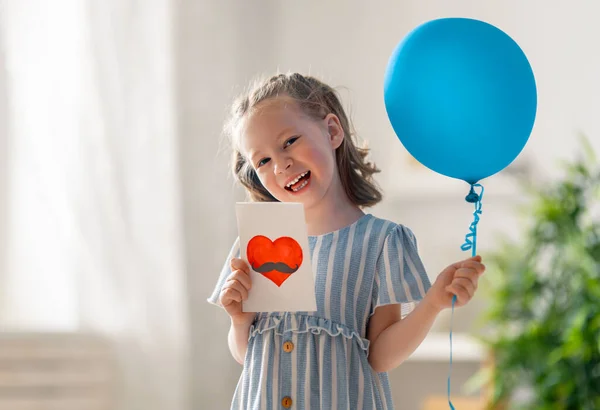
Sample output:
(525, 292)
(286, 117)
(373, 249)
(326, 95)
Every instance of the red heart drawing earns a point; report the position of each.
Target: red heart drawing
(276, 260)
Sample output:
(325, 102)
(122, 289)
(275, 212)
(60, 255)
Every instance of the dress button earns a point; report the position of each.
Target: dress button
(286, 402)
(288, 346)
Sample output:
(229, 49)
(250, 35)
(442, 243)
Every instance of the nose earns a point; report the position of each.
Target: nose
(282, 164)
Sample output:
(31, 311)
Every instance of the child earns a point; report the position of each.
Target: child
(292, 142)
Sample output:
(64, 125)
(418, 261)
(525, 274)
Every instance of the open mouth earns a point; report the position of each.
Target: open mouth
(299, 183)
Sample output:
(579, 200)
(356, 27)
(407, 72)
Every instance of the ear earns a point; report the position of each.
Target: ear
(334, 130)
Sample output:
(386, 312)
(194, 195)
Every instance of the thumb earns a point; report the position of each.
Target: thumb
(476, 258)
(458, 265)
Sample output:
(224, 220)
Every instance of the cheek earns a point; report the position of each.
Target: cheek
(323, 158)
(266, 178)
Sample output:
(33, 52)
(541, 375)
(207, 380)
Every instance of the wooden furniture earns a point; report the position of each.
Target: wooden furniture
(462, 403)
(67, 371)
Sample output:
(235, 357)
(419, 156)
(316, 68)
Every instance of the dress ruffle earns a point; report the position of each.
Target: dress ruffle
(302, 323)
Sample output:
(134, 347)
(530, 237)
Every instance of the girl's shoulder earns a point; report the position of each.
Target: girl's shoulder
(389, 229)
(374, 233)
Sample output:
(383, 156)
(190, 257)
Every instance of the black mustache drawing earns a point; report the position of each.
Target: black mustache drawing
(278, 266)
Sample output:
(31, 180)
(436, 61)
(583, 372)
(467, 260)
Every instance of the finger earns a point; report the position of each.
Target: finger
(242, 277)
(471, 264)
(239, 264)
(464, 285)
(230, 295)
(459, 264)
(467, 273)
(237, 285)
(461, 294)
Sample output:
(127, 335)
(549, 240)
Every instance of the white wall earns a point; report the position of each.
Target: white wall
(347, 43)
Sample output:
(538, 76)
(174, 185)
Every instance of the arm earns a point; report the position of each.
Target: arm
(234, 292)
(238, 340)
(392, 339)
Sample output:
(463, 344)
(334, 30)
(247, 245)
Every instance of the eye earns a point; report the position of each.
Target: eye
(290, 141)
(262, 162)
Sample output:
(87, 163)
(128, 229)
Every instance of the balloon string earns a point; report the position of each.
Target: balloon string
(475, 198)
(470, 243)
(450, 368)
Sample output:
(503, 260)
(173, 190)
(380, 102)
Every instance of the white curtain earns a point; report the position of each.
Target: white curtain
(92, 195)
(3, 164)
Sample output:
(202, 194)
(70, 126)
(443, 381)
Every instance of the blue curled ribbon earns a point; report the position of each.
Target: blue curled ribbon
(475, 198)
(470, 243)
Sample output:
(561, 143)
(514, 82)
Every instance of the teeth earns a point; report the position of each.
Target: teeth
(296, 180)
(302, 185)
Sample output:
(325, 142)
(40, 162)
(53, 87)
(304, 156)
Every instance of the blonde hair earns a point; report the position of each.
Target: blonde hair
(316, 100)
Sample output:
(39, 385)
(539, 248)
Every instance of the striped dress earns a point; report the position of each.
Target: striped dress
(318, 360)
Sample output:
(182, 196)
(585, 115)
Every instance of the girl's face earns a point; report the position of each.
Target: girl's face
(293, 154)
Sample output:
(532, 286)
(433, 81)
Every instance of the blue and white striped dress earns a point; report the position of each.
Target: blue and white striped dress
(370, 263)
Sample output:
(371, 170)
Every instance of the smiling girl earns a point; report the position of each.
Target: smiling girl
(292, 142)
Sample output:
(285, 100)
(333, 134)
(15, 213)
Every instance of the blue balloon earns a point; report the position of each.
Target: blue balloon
(461, 97)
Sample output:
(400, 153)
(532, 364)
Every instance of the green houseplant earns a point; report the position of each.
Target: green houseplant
(543, 291)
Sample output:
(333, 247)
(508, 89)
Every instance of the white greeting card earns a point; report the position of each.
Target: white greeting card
(274, 243)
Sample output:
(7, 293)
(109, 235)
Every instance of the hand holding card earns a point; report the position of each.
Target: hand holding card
(274, 242)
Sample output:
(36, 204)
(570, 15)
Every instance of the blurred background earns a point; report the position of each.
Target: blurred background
(117, 205)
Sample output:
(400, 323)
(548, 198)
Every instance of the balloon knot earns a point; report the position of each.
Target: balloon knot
(472, 197)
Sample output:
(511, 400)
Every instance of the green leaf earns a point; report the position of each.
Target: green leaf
(543, 316)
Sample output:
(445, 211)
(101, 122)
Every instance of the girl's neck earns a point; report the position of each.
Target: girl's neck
(325, 222)
(332, 213)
